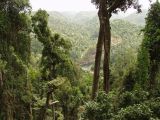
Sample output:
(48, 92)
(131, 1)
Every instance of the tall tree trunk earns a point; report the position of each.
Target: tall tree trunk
(107, 45)
(97, 58)
(104, 37)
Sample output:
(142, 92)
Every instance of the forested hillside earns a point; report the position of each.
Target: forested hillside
(76, 33)
(126, 39)
(82, 30)
(48, 63)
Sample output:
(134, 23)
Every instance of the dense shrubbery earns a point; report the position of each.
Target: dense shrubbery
(130, 98)
(100, 109)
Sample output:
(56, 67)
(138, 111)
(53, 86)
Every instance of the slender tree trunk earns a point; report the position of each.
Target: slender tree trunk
(43, 110)
(1, 79)
(30, 112)
(107, 45)
(97, 59)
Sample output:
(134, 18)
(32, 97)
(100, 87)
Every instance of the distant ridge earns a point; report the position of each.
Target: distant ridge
(137, 18)
(84, 16)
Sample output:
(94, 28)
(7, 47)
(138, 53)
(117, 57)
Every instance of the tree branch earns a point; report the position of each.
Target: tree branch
(114, 6)
(52, 103)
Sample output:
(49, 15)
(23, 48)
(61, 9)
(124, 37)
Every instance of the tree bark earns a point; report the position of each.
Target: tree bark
(97, 59)
(107, 45)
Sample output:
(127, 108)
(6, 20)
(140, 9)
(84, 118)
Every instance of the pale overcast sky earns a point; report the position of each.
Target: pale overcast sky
(70, 5)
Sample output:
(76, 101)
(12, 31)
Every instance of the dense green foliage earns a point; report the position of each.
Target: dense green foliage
(148, 58)
(46, 63)
(15, 28)
(56, 65)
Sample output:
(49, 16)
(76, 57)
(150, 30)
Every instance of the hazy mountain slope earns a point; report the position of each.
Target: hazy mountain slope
(79, 17)
(137, 18)
(82, 17)
(82, 32)
(125, 36)
(77, 34)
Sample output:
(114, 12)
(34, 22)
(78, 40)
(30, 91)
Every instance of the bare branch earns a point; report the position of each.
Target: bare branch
(52, 103)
